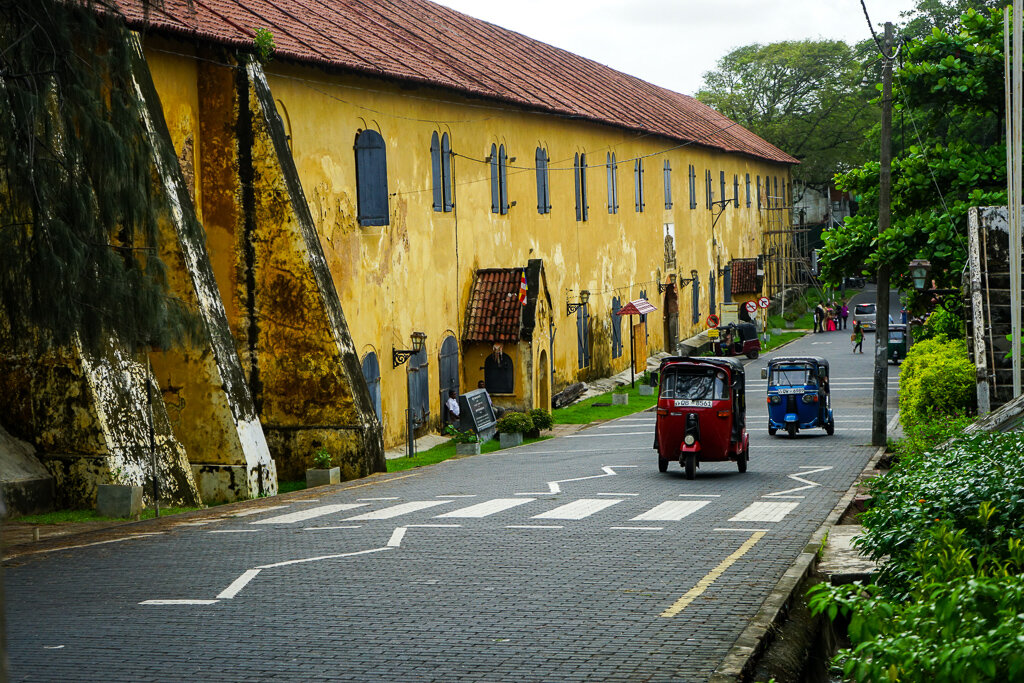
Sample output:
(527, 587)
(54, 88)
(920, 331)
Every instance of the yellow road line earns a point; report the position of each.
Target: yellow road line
(702, 585)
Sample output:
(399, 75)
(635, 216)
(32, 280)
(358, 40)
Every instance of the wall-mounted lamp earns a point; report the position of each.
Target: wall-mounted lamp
(683, 281)
(663, 286)
(571, 308)
(919, 272)
(947, 298)
(399, 356)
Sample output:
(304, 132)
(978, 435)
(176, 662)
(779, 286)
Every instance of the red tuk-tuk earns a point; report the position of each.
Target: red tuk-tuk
(701, 416)
(738, 339)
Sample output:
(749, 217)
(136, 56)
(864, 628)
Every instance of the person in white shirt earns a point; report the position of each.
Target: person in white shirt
(453, 407)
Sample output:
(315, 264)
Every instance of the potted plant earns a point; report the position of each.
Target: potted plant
(647, 381)
(541, 421)
(466, 443)
(322, 473)
(620, 397)
(511, 427)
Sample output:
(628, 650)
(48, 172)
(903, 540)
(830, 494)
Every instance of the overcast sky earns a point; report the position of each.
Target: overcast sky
(672, 43)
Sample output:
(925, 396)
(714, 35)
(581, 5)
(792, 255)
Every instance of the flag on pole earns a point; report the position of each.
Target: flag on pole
(522, 289)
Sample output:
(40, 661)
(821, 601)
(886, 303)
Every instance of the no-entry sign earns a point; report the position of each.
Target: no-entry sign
(763, 302)
(712, 320)
(751, 306)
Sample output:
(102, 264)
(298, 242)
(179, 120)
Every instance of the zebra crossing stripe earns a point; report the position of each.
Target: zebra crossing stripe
(671, 511)
(308, 513)
(764, 512)
(398, 510)
(578, 509)
(489, 508)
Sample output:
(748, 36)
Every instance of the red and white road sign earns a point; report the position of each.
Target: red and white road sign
(712, 320)
(763, 302)
(751, 306)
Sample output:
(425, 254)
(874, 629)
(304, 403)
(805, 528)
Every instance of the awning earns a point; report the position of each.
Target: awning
(638, 307)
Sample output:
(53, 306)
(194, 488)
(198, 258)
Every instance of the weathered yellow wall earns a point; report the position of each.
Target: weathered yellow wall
(415, 274)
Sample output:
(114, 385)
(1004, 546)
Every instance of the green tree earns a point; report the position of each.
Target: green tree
(949, 93)
(79, 207)
(808, 98)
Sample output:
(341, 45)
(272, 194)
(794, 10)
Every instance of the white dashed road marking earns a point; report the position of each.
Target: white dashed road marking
(308, 513)
(671, 511)
(764, 512)
(398, 510)
(489, 508)
(578, 509)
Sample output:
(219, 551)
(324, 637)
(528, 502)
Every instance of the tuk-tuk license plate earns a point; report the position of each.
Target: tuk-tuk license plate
(790, 390)
(683, 403)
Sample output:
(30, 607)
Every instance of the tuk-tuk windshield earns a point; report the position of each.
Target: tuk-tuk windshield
(791, 376)
(695, 384)
(897, 335)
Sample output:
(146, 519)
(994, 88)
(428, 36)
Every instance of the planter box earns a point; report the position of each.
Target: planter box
(467, 448)
(620, 399)
(646, 390)
(510, 440)
(323, 477)
(118, 500)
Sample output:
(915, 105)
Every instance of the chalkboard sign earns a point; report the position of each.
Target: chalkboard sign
(476, 413)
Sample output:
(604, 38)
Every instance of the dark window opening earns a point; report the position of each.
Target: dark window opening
(499, 374)
(371, 179)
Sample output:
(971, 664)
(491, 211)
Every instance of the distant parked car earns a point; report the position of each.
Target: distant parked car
(865, 315)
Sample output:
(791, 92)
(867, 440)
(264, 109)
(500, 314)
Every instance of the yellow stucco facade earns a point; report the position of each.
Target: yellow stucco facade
(415, 273)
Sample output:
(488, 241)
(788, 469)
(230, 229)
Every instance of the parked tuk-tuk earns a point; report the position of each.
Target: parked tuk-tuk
(737, 339)
(701, 413)
(897, 349)
(798, 394)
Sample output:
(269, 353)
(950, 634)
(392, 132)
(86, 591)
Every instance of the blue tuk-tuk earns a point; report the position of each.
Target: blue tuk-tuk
(798, 394)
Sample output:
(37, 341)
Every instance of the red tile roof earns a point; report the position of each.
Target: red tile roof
(744, 276)
(420, 41)
(494, 313)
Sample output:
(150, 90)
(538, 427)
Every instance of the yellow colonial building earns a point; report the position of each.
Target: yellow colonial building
(391, 170)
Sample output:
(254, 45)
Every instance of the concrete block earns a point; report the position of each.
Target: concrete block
(221, 483)
(646, 390)
(620, 399)
(467, 448)
(118, 500)
(510, 440)
(323, 477)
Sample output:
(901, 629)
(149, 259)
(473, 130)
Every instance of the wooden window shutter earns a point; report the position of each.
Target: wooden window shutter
(435, 172)
(585, 203)
(495, 201)
(668, 184)
(371, 179)
(503, 179)
(446, 173)
(576, 170)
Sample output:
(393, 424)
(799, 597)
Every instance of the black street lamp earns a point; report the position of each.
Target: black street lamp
(572, 307)
(919, 270)
(398, 357)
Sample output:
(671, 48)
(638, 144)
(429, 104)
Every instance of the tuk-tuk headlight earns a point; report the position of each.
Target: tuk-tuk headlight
(810, 398)
(775, 398)
(689, 439)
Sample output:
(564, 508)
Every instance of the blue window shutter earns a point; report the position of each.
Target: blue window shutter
(547, 184)
(495, 201)
(615, 183)
(643, 204)
(668, 185)
(585, 204)
(503, 179)
(580, 338)
(748, 190)
(736, 190)
(708, 189)
(616, 327)
(576, 170)
(611, 189)
(435, 171)
(371, 179)
(693, 187)
(695, 285)
(539, 164)
(711, 292)
(758, 192)
(636, 185)
(446, 173)
(722, 178)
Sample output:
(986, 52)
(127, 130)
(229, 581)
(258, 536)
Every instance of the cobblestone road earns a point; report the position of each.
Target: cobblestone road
(567, 560)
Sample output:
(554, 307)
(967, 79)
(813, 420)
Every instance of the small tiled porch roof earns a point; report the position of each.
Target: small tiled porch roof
(494, 313)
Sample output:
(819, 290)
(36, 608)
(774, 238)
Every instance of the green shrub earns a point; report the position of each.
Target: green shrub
(936, 380)
(941, 323)
(541, 419)
(468, 436)
(946, 486)
(925, 436)
(512, 422)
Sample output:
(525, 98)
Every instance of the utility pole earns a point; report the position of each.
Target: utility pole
(881, 384)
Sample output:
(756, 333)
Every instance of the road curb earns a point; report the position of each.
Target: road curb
(742, 657)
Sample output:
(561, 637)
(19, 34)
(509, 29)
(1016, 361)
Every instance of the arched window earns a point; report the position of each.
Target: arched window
(499, 180)
(419, 387)
(435, 171)
(580, 163)
(447, 371)
(638, 184)
(371, 373)
(499, 374)
(371, 179)
(446, 173)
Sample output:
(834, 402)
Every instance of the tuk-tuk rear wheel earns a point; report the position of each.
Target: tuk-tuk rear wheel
(830, 428)
(772, 430)
(690, 465)
(662, 464)
(741, 462)
(752, 355)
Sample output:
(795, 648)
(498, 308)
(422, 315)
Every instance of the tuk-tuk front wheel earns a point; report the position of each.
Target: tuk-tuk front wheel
(772, 430)
(752, 355)
(690, 465)
(830, 428)
(662, 464)
(791, 429)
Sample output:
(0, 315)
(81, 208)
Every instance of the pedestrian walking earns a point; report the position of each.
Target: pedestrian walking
(845, 312)
(819, 314)
(830, 321)
(857, 337)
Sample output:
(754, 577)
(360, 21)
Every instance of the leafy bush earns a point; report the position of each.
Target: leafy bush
(322, 458)
(468, 436)
(541, 419)
(941, 323)
(925, 436)
(512, 422)
(946, 486)
(936, 379)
